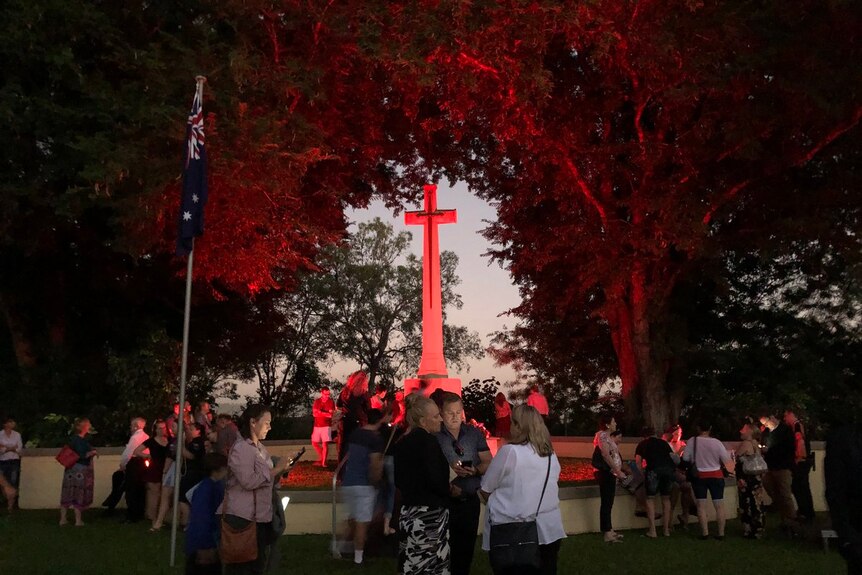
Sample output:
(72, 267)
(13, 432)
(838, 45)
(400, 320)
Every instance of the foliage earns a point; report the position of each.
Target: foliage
(289, 335)
(778, 334)
(51, 431)
(626, 146)
(622, 142)
(94, 100)
(478, 397)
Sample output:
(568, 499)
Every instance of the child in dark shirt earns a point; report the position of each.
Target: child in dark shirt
(202, 534)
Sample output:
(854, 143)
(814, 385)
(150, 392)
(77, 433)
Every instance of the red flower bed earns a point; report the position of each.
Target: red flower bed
(575, 471)
(306, 476)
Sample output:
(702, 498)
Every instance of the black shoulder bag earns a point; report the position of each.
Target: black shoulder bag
(517, 544)
(692, 473)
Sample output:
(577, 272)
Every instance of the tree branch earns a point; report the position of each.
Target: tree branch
(801, 161)
(585, 190)
(831, 137)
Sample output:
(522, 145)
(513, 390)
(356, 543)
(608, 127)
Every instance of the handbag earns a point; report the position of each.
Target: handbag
(67, 457)
(692, 473)
(517, 544)
(753, 464)
(238, 535)
(598, 461)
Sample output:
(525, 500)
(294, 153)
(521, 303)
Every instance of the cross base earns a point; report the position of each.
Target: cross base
(452, 384)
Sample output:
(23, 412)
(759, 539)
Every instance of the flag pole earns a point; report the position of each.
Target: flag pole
(183, 374)
(182, 401)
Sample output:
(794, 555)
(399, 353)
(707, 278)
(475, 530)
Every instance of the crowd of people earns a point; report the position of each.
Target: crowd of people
(773, 457)
(418, 461)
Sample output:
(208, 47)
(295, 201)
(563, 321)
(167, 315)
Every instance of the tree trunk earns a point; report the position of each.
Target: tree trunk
(643, 374)
(26, 396)
(23, 346)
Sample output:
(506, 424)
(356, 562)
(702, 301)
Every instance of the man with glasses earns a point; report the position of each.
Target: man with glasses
(469, 456)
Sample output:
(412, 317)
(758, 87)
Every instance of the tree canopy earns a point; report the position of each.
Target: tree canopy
(630, 147)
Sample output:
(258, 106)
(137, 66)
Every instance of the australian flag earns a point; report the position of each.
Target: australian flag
(194, 178)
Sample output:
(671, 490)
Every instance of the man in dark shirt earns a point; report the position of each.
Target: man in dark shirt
(843, 470)
(779, 456)
(468, 455)
(656, 454)
(802, 463)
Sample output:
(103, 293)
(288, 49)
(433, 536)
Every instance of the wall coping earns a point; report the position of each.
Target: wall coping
(586, 491)
(52, 451)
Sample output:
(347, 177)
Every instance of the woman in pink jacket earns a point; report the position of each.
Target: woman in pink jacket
(248, 495)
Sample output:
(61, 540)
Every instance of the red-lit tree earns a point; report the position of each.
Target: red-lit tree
(619, 139)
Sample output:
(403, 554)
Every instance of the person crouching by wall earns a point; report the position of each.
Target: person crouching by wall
(248, 495)
(422, 476)
(203, 530)
(521, 485)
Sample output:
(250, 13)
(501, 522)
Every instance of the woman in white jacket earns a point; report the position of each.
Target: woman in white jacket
(513, 483)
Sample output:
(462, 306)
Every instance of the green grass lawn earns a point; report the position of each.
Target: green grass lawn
(31, 543)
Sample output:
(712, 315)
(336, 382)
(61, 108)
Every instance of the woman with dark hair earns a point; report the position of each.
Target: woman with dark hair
(169, 477)
(608, 477)
(78, 480)
(683, 492)
(708, 455)
(154, 451)
(10, 458)
(354, 404)
(521, 485)
(248, 494)
(503, 415)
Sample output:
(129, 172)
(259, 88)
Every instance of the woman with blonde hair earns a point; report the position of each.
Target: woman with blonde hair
(422, 476)
(750, 485)
(78, 480)
(520, 486)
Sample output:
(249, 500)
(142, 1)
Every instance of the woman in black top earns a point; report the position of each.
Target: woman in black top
(422, 477)
(154, 451)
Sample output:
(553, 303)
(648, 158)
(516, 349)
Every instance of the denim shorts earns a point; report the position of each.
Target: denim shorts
(361, 500)
(712, 485)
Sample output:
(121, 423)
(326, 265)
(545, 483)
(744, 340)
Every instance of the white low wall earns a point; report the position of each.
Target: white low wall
(311, 511)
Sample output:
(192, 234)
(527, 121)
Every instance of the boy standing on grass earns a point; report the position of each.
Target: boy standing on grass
(202, 534)
(363, 470)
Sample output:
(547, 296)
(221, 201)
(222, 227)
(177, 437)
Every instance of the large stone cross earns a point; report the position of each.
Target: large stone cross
(433, 364)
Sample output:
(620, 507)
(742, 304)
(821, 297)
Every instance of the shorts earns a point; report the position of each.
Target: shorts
(713, 485)
(660, 481)
(321, 435)
(170, 476)
(361, 500)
